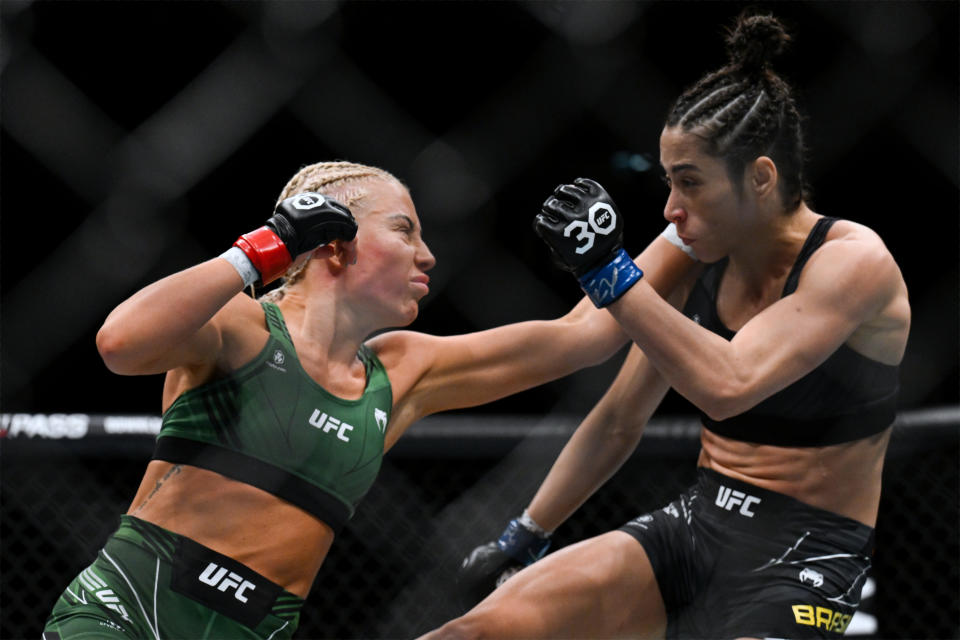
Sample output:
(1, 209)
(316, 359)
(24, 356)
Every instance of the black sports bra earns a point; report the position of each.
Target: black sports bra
(846, 398)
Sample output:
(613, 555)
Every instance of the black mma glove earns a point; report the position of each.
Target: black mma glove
(581, 225)
(490, 565)
(299, 224)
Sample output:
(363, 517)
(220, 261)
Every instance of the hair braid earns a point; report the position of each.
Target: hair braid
(344, 181)
(744, 110)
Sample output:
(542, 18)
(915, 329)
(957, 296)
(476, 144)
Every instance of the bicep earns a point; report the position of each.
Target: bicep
(432, 374)
(194, 349)
(477, 368)
(837, 293)
(480, 367)
(201, 349)
(171, 322)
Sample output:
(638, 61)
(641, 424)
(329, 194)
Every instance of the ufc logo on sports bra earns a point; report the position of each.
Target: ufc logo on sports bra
(217, 576)
(328, 423)
(728, 499)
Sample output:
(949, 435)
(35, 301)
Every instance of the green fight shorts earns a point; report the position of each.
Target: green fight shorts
(150, 583)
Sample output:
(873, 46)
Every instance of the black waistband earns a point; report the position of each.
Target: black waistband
(214, 580)
(221, 583)
(747, 507)
(257, 473)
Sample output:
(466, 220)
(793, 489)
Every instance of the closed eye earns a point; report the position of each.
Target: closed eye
(403, 223)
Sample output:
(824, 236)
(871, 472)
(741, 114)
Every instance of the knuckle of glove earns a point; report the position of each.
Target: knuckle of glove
(543, 225)
(483, 571)
(325, 231)
(575, 194)
(308, 220)
(554, 208)
(484, 565)
(590, 186)
(347, 229)
(484, 557)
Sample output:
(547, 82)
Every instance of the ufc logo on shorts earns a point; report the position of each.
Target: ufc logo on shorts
(728, 499)
(95, 584)
(219, 577)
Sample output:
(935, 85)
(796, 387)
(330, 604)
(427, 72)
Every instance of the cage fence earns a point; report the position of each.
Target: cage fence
(453, 484)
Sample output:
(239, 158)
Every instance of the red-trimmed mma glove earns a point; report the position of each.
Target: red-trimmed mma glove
(299, 224)
(581, 225)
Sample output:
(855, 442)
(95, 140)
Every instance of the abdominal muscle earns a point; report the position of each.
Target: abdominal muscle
(844, 478)
(278, 540)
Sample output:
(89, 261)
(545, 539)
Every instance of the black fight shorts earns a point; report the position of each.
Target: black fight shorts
(733, 560)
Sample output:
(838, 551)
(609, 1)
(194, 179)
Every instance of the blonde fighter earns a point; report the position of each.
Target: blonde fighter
(277, 412)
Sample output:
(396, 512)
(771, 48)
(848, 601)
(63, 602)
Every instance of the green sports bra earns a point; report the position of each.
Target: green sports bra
(268, 424)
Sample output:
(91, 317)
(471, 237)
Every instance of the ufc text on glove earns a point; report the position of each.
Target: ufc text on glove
(581, 225)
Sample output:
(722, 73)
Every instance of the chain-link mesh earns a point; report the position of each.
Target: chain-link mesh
(391, 571)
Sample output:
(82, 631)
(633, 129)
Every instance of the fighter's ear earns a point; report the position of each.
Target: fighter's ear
(763, 176)
(342, 253)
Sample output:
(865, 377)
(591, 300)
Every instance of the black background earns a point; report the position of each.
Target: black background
(482, 108)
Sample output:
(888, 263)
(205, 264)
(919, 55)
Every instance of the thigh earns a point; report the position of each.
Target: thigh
(599, 588)
(94, 605)
(808, 589)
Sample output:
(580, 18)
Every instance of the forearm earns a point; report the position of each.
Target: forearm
(602, 442)
(165, 315)
(587, 461)
(598, 335)
(701, 365)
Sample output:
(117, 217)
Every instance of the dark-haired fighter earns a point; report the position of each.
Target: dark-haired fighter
(789, 344)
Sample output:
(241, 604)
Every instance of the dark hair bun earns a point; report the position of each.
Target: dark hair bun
(754, 41)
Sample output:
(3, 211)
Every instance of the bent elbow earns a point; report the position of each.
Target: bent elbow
(113, 350)
(718, 413)
(725, 402)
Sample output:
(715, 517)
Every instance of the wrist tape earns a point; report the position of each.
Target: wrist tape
(530, 524)
(270, 257)
(605, 284)
(236, 257)
(522, 544)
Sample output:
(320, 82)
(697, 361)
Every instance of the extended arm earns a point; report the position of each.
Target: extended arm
(597, 449)
(602, 442)
(432, 374)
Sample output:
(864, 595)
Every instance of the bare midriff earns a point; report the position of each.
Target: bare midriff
(843, 478)
(278, 540)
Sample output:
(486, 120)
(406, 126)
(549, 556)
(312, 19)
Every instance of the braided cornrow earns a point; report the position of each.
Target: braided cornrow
(744, 110)
(345, 181)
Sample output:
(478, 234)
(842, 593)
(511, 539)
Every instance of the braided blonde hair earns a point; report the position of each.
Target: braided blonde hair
(346, 182)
